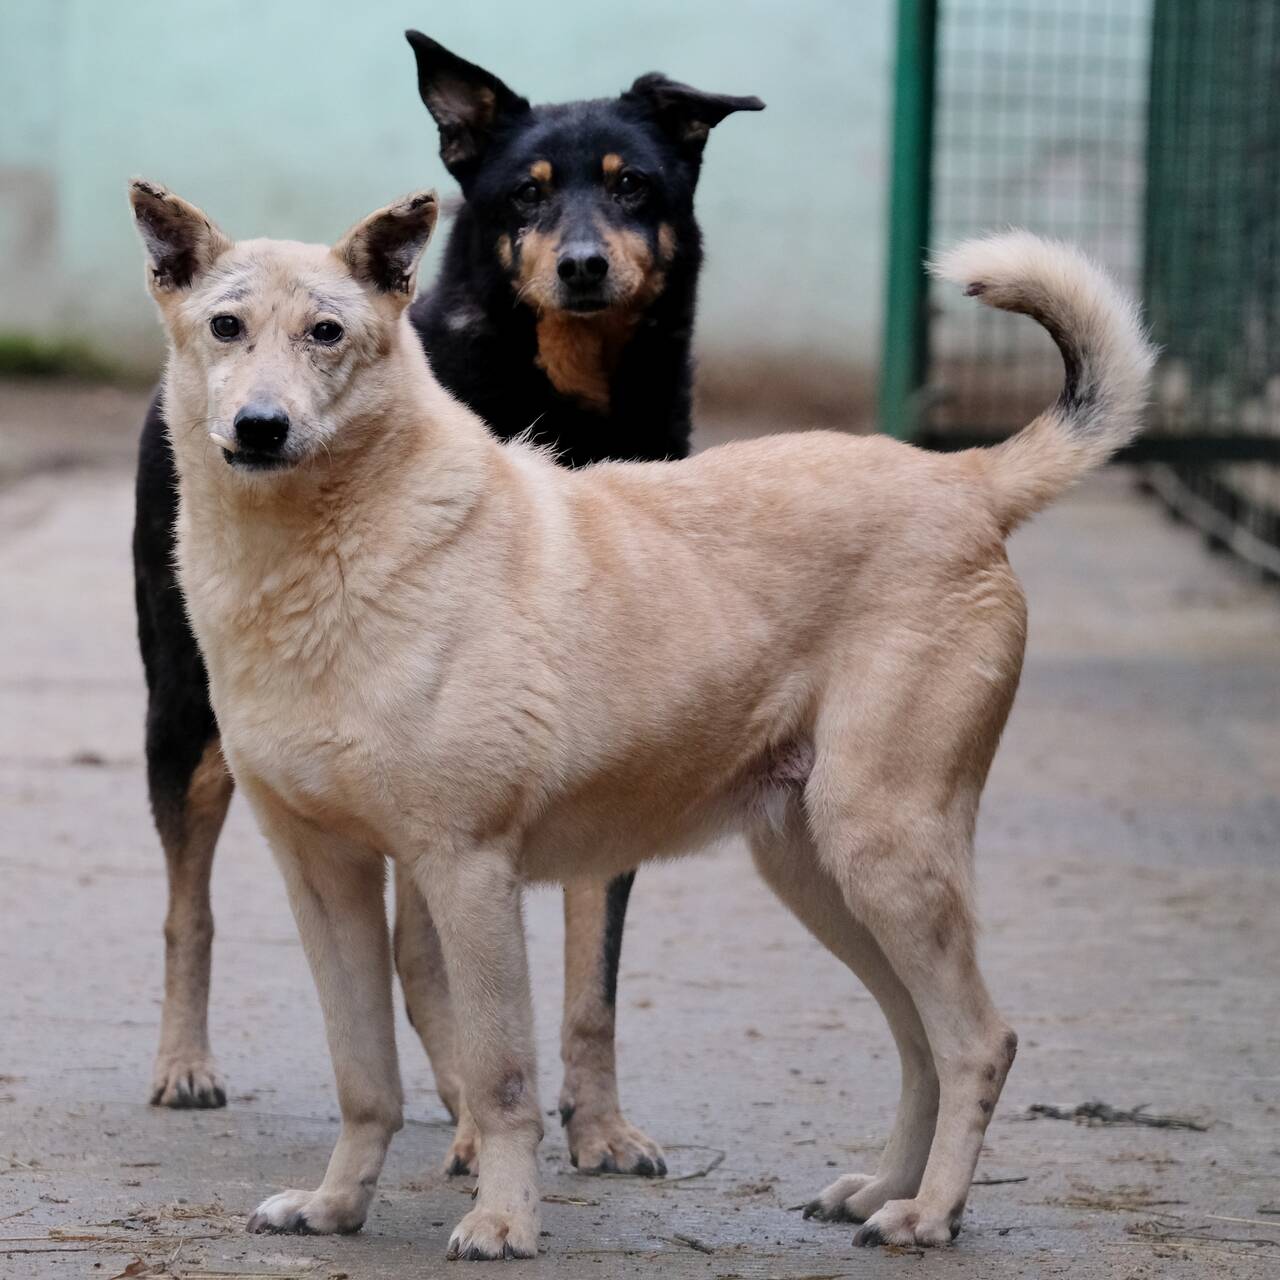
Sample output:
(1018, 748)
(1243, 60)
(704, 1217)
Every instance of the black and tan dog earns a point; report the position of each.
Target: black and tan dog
(564, 309)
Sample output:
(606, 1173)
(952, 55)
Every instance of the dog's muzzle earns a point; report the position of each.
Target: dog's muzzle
(583, 270)
(261, 431)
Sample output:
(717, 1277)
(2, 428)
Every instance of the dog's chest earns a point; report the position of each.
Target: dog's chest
(303, 701)
(317, 751)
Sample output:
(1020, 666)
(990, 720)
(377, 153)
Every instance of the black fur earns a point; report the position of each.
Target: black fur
(180, 721)
(471, 324)
(615, 914)
(482, 341)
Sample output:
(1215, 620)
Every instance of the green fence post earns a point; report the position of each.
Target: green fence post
(902, 365)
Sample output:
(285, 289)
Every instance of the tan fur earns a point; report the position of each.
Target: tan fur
(638, 277)
(540, 170)
(537, 283)
(599, 1135)
(580, 353)
(612, 164)
(184, 1068)
(425, 645)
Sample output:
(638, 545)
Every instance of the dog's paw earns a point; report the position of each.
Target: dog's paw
(610, 1144)
(463, 1157)
(853, 1198)
(184, 1080)
(487, 1235)
(305, 1213)
(909, 1222)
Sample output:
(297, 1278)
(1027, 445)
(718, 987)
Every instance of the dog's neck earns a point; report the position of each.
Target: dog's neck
(275, 554)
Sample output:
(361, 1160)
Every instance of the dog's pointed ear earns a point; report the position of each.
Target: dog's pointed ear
(687, 115)
(466, 102)
(181, 242)
(383, 250)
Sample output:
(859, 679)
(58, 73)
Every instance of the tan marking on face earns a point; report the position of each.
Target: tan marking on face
(539, 284)
(666, 242)
(540, 171)
(504, 251)
(611, 164)
(637, 278)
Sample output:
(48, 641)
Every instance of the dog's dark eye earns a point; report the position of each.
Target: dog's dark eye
(326, 331)
(629, 184)
(528, 193)
(225, 327)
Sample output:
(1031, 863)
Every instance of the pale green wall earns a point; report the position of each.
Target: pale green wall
(295, 117)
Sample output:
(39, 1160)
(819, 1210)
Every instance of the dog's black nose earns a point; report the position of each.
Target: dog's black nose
(261, 428)
(582, 264)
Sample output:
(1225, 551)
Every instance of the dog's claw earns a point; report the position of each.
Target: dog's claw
(854, 1197)
(909, 1224)
(307, 1213)
(491, 1236)
(298, 1225)
(609, 1143)
(190, 1085)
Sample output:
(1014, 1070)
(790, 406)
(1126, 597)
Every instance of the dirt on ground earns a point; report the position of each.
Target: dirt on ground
(1129, 859)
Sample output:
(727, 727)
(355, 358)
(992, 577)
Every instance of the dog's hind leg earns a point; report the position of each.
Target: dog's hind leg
(897, 882)
(902, 754)
(420, 964)
(189, 819)
(474, 898)
(336, 891)
(788, 861)
(189, 785)
(600, 1138)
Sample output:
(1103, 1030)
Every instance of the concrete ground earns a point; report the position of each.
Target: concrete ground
(1129, 854)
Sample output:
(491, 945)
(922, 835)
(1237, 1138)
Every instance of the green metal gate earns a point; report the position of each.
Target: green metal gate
(1147, 132)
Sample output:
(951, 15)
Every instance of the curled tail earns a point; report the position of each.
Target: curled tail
(1104, 347)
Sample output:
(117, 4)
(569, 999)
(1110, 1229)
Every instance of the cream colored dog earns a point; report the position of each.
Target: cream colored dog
(427, 646)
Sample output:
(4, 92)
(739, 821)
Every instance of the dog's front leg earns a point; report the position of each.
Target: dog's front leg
(336, 891)
(474, 899)
(420, 963)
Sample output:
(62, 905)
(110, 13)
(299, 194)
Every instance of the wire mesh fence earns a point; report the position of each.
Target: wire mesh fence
(1147, 132)
(1213, 257)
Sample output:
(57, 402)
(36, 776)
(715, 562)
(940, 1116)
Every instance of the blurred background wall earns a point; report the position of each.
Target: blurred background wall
(295, 117)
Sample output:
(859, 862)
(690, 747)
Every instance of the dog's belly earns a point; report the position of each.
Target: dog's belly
(620, 823)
